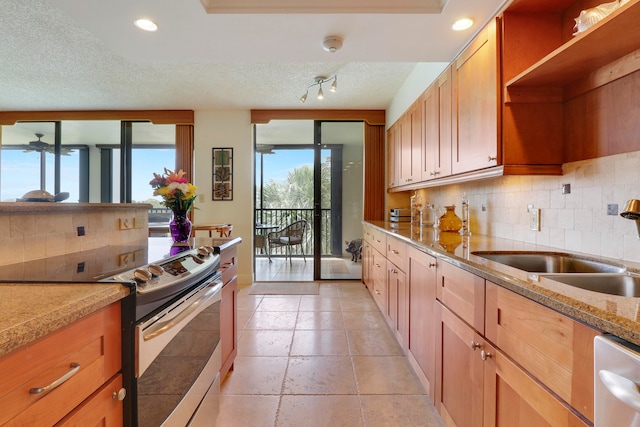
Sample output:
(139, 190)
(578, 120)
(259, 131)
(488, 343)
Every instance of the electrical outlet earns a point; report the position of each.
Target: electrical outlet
(201, 198)
(80, 230)
(534, 220)
(126, 224)
(612, 209)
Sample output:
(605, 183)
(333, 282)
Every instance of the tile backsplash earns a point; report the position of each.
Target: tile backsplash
(578, 221)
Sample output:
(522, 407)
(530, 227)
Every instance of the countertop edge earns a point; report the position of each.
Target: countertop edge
(29, 328)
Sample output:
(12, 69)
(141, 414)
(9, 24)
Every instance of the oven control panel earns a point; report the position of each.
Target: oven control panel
(166, 273)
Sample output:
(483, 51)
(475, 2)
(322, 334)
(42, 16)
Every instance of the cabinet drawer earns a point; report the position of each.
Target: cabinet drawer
(101, 409)
(555, 349)
(228, 265)
(377, 239)
(397, 252)
(462, 293)
(378, 266)
(93, 343)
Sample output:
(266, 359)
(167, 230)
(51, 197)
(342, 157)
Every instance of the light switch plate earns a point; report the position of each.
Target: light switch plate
(534, 224)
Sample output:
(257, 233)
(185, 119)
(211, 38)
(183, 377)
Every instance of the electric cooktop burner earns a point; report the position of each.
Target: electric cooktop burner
(85, 266)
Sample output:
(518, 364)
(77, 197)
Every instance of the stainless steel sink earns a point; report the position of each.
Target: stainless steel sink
(550, 262)
(613, 284)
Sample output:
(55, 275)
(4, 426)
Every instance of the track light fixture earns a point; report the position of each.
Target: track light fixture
(319, 81)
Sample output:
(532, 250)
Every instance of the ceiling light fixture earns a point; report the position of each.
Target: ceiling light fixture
(145, 24)
(332, 43)
(462, 24)
(319, 81)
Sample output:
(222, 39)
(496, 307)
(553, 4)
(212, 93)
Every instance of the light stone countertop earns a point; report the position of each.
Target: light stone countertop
(613, 314)
(29, 311)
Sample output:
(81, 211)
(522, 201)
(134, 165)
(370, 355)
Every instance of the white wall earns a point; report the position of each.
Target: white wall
(217, 128)
(420, 79)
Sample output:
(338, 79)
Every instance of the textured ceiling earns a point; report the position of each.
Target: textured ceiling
(86, 54)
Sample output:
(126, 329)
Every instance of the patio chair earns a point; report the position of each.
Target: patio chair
(289, 236)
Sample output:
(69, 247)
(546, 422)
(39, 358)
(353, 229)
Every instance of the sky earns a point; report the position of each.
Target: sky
(277, 166)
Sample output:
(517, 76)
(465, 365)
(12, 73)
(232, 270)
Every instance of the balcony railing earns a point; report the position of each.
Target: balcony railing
(280, 218)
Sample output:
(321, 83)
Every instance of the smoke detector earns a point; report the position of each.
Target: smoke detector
(332, 43)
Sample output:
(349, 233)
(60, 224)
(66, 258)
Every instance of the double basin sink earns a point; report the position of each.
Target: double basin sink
(572, 270)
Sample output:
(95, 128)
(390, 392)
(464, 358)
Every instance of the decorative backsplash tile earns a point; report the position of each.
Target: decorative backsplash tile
(577, 221)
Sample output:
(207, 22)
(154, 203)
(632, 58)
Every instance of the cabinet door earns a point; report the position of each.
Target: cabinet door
(104, 408)
(461, 376)
(475, 87)
(417, 136)
(379, 279)
(393, 156)
(443, 158)
(422, 321)
(555, 349)
(228, 326)
(366, 264)
(513, 398)
(405, 149)
(431, 142)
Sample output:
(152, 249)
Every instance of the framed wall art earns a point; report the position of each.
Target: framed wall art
(222, 174)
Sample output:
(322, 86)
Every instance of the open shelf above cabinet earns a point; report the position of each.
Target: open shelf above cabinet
(612, 38)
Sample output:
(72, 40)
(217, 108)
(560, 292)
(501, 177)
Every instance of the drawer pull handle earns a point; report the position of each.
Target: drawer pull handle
(120, 394)
(622, 388)
(432, 264)
(394, 252)
(474, 345)
(484, 355)
(74, 368)
(491, 158)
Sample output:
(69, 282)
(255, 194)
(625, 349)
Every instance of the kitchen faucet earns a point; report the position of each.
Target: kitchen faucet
(632, 211)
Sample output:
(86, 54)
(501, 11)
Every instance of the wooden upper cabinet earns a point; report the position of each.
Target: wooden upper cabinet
(411, 145)
(436, 145)
(475, 89)
(393, 156)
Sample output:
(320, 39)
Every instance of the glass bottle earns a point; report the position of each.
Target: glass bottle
(416, 206)
(465, 215)
(450, 221)
(428, 216)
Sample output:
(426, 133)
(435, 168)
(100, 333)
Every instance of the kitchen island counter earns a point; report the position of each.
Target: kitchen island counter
(617, 315)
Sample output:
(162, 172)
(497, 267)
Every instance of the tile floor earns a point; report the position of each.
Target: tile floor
(320, 360)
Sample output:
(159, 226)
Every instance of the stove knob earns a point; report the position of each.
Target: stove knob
(202, 251)
(210, 249)
(142, 275)
(156, 270)
(197, 259)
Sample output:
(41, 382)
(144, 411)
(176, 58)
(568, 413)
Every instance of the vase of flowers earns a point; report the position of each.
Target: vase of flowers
(178, 195)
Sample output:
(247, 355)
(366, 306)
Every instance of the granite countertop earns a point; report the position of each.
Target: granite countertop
(613, 314)
(32, 310)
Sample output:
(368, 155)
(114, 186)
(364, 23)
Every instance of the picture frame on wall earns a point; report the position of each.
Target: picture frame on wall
(222, 174)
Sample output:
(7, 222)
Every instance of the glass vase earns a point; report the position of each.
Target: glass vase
(180, 227)
(450, 221)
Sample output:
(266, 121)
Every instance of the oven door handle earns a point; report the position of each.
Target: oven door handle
(622, 388)
(160, 328)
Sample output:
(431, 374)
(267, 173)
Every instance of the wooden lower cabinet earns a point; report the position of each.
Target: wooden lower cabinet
(86, 353)
(228, 312)
(397, 304)
(422, 317)
(104, 408)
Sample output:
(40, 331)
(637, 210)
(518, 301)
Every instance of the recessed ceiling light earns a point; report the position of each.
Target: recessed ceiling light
(145, 24)
(462, 24)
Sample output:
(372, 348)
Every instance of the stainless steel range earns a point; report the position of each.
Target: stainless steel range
(173, 343)
(170, 326)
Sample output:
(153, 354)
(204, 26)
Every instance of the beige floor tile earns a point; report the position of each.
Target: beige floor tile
(247, 411)
(385, 375)
(376, 342)
(248, 302)
(318, 320)
(273, 320)
(319, 411)
(320, 375)
(328, 290)
(399, 411)
(318, 303)
(264, 343)
(358, 304)
(279, 303)
(243, 318)
(256, 375)
(364, 320)
(352, 290)
(320, 343)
